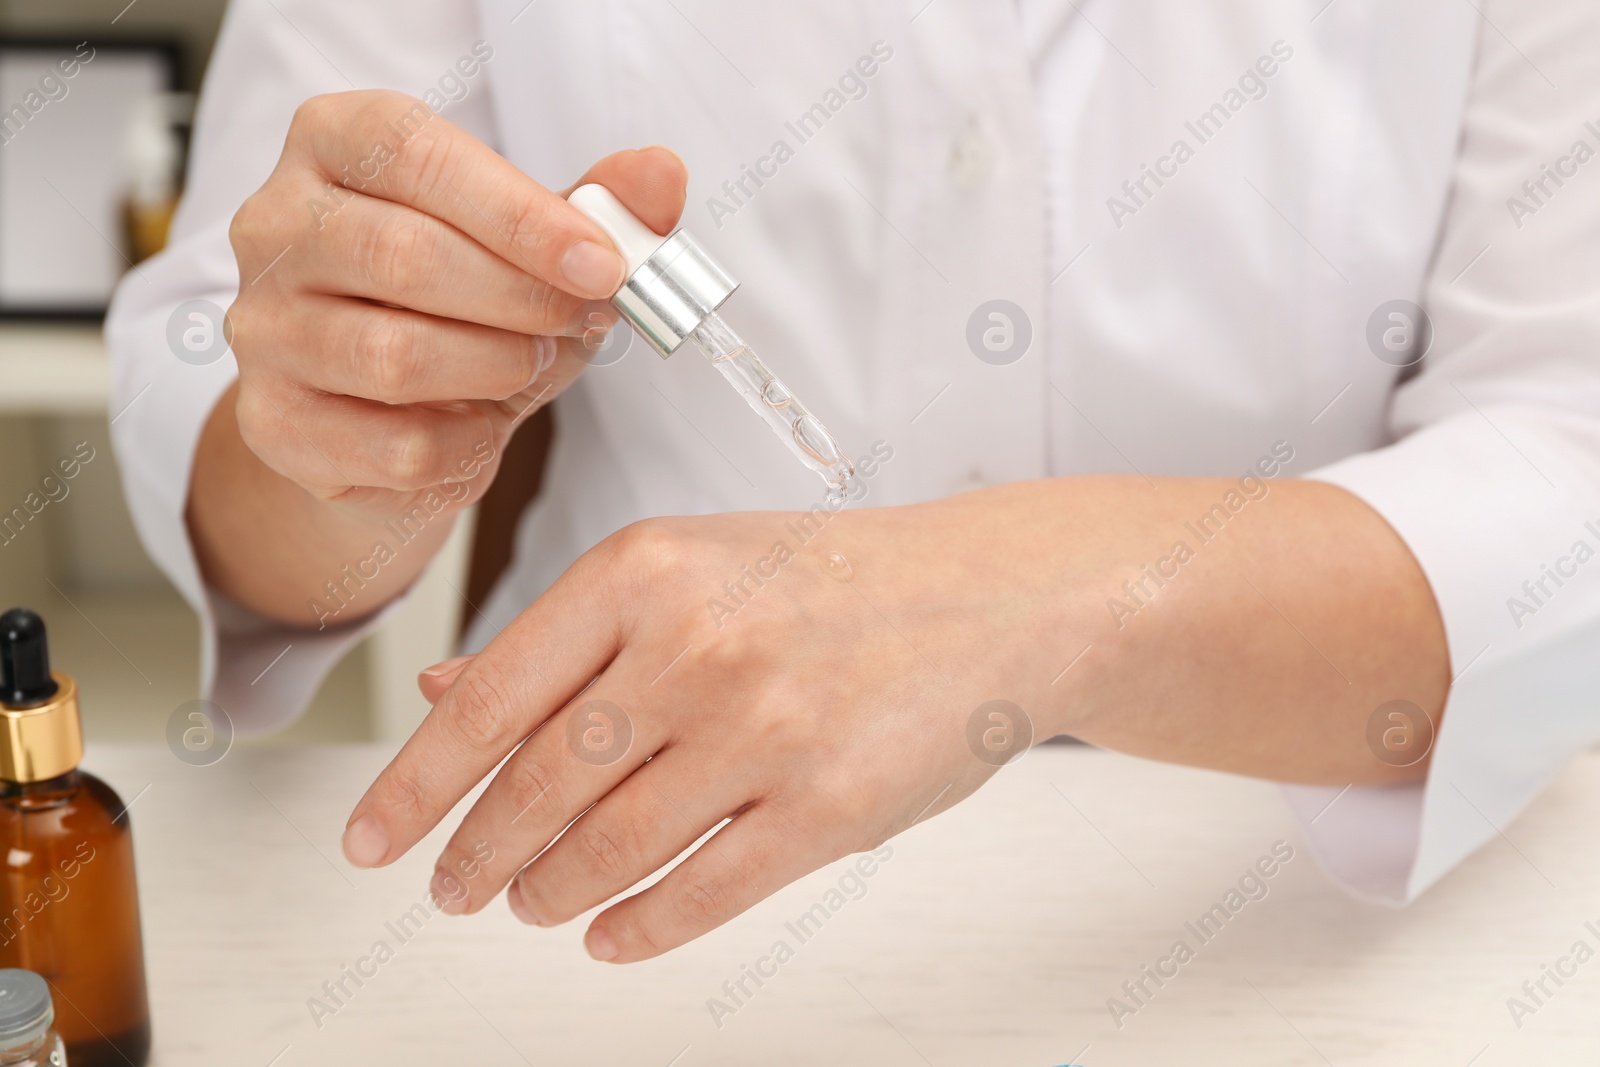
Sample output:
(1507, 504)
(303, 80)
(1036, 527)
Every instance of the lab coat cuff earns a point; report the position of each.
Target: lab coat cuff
(265, 672)
(1483, 499)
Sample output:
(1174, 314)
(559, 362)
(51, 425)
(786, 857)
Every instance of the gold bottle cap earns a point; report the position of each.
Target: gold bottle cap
(44, 741)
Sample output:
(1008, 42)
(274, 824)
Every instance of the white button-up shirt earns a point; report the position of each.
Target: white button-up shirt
(1017, 240)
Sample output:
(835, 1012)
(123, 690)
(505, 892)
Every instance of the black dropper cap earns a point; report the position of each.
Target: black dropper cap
(24, 660)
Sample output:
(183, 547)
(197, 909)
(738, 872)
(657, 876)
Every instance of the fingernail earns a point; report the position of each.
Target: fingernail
(439, 670)
(546, 347)
(592, 269)
(446, 893)
(599, 944)
(519, 907)
(366, 842)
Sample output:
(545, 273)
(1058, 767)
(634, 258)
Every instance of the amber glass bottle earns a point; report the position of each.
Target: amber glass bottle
(69, 905)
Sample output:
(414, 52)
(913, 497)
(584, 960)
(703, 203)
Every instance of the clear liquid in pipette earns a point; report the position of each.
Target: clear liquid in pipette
(795, 426)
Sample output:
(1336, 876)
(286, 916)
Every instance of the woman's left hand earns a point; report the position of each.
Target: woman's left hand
(824, 680)
(810, 677)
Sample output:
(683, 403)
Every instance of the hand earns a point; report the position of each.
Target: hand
(402, 288)
(819, 726)
(851, 691)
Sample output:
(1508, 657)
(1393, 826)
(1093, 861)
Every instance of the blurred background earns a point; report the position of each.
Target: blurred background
(83, 196)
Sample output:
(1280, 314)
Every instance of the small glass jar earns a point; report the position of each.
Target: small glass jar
(27, 1038)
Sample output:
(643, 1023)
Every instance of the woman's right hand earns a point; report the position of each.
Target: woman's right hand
(404, 296)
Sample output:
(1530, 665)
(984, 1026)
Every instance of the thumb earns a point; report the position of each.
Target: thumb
(650, 182)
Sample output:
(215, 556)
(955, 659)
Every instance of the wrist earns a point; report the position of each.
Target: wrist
(272, 547)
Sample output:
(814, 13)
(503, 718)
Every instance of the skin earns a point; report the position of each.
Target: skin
(822, 711)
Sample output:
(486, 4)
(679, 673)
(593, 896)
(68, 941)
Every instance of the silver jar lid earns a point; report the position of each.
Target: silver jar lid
(25, 1008)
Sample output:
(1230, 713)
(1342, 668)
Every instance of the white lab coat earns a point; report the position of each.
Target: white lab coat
(1185, 327)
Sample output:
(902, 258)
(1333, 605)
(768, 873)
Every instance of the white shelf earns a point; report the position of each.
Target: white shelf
(50, 369)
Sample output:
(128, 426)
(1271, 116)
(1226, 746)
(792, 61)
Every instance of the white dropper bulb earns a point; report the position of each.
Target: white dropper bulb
(636, 241)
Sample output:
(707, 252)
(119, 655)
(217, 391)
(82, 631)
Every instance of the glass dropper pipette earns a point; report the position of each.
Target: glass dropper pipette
(672, 294)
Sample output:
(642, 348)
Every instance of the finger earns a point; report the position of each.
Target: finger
(631, 833)
(395, 356)
(330, 443)
(399, 255)
(534, 667)
(746, 861)
(440, 169)
(577, 757)
(434, 680)
(652, 182)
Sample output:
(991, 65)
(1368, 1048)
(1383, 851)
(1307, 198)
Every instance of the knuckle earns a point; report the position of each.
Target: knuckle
(371, 110)
(386, 347)
(732, 650)
(333, 125)
(507, 377)
(256, 429)
(255, 227)
(243, 227)
(429, 158)
(552, 311)
(529, 363)
(266, 431)
(528, 782)
(755, 649)
(528, 229)
(546, 307)
(408, 796)
(241, 320)
(603, 853)
(786, 733)
(317, 112)
(645, 548)
(396, 257)
(702, 901)
(483, 710)
(412, 457)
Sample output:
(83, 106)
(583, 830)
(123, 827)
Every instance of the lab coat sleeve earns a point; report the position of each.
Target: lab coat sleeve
(271, 56)
(1494, 479)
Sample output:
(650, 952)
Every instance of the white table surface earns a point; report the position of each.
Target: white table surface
(994, 935)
